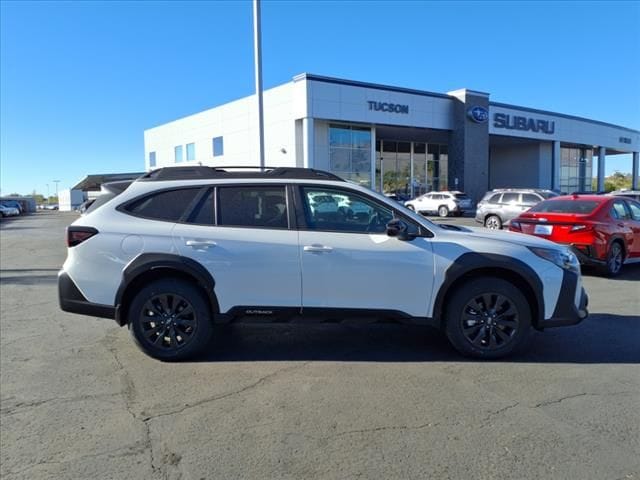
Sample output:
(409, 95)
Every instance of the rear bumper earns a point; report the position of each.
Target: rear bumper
(585, 259)
(72, 300)
(567, 312)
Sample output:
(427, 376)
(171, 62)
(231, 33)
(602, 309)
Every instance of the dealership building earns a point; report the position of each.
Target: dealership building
(398, 140)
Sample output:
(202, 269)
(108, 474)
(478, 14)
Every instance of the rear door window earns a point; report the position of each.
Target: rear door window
(530, 199)
(252, 206)
(510, 198)
(635, 210)
(620, 210)
(168, 205)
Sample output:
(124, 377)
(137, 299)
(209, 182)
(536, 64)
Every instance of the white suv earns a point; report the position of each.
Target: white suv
(185, 248)
(442, 203)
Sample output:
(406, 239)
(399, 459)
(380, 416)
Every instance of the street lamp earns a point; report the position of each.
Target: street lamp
(56, 182)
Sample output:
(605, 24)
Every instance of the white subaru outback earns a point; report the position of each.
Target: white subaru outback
(182, 249)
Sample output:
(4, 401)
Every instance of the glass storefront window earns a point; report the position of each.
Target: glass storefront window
(576, 169)
(350, 153)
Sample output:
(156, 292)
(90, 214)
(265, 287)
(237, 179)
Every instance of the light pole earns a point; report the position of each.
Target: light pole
(257, 56)
(56, 182)
(47, 193)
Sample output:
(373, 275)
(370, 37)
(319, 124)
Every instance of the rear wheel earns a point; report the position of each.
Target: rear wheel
(170, 320)
(615, 258)
(443, 211)
(411, 207)
(493, 222)
(487, 318)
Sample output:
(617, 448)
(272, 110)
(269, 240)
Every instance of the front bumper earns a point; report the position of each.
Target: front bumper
(567, 312)
(72, 300)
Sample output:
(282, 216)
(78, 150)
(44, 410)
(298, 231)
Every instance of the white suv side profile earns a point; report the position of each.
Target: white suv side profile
(442, 203)
(183, 249)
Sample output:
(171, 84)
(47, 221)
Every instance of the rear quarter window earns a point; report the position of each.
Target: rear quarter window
(168, 205)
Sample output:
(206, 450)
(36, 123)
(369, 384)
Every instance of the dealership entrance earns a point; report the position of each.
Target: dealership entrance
(410, 161)
(410, 168)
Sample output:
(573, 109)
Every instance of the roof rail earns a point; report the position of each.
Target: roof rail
(198, 172)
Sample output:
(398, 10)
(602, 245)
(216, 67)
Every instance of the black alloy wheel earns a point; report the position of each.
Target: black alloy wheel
(170, 319)
(490, 321)
(487, 317)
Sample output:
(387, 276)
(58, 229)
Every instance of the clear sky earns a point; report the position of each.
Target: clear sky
(81, 81)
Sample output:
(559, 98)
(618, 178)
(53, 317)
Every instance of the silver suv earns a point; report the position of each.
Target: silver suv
(498, 207)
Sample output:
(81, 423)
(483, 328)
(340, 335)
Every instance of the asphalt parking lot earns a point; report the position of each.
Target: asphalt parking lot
(78, 400)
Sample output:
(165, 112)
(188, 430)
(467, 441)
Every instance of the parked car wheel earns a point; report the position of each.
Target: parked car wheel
(411, 207)
(493, 222)
(615, 259)
(443, 211)
(487, 318)
(170, 320)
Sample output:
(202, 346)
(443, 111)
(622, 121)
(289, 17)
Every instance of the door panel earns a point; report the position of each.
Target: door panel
(251, 252)
(348, 261)
(249, 267)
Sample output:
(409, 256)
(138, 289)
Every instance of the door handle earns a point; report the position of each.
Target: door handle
(200, 243)
(317, 248)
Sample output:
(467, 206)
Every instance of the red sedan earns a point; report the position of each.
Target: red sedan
(602, 231)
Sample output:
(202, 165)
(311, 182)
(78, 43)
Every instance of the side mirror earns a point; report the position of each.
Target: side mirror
(398, 228)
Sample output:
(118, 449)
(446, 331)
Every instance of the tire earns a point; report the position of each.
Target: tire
(470, 326)
(411, 207)
(443, 211)
(614, 261)
(493, 222)
(175, 336)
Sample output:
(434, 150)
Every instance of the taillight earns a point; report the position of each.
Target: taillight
(77, 235)
(515, 225)
(581, 228)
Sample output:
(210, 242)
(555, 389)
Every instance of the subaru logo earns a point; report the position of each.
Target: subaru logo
(478, 114)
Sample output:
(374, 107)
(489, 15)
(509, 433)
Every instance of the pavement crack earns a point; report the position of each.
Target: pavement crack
(146, 418)
(583, 394)
(382, 429)
(498, 412)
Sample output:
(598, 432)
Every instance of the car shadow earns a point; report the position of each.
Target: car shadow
(628, 272)
(602, 338)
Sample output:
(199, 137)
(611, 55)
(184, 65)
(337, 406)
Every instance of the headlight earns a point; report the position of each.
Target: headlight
(565, 259)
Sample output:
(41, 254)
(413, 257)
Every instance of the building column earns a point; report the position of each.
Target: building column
(634, 172)
(374, 186)
(308, 144)
(556, 158)
(602, 153)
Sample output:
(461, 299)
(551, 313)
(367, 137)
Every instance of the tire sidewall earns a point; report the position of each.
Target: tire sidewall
(443, 211)
(458, 301)
(194, 296)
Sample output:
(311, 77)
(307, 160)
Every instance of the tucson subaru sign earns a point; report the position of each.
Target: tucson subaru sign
(388, 107)
(478, 114)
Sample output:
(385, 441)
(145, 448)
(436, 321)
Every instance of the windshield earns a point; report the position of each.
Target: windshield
(582, 207)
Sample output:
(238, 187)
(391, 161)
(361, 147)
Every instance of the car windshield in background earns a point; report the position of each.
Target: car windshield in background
(566, 206)
(549, 194)
(461, 195)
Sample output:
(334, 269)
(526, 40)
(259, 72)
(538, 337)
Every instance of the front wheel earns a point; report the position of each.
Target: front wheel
(443, 211)
(170, 320)
(487, 318)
